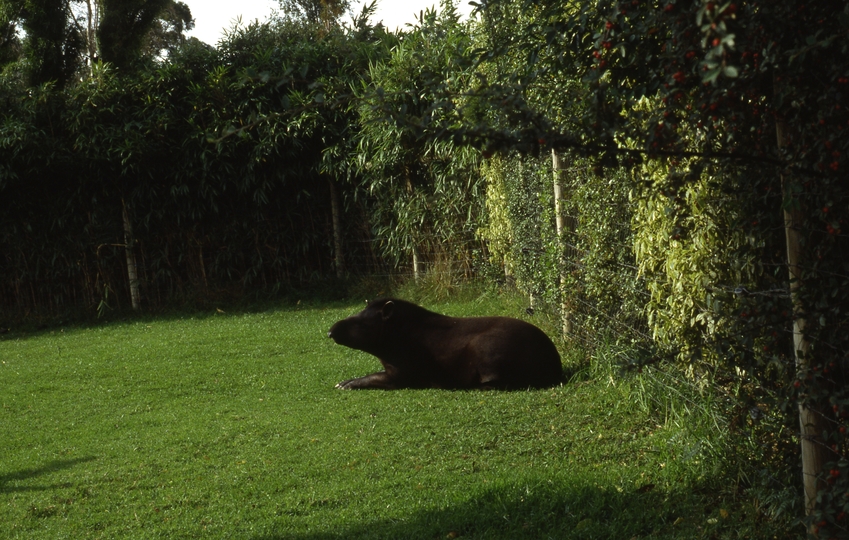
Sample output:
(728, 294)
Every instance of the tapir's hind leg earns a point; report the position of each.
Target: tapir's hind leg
(518, 372)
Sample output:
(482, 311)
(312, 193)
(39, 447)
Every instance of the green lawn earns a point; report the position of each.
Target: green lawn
(229, 426)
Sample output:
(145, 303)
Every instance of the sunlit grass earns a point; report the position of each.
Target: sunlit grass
(229, 425)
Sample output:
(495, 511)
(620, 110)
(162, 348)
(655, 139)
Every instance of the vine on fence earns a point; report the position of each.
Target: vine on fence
(742, 102)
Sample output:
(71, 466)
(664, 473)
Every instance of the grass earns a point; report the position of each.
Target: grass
(229, 426)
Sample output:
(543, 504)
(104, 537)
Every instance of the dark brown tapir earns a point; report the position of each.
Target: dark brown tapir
(422, 349)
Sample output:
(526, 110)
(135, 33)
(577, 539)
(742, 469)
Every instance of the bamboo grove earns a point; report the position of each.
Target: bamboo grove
(248, 168)
(120, 161)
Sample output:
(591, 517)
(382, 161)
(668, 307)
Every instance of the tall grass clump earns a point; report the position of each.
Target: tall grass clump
(709, 437)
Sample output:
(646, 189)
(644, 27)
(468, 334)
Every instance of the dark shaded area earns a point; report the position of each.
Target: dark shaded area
(248, 216)
(331, 293)
(549, 511)
(48, 468)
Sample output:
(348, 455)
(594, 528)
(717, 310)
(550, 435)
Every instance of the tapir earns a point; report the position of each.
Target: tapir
(422, 349)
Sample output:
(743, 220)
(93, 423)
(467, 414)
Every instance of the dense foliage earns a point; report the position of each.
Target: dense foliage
(733, 117)
(247, 213)
(427, 191)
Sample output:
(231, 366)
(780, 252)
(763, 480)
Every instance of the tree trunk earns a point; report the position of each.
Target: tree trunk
(336, 211)
(91, 43)
(815, 453)
(132, 273)
(561, 225)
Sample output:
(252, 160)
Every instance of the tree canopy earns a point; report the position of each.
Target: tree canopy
(53, 42)
(324, 12)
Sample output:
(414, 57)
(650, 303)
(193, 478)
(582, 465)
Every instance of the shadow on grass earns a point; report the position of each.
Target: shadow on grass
(28, 474)
(325, 293)
(547, 511)
(14, 329)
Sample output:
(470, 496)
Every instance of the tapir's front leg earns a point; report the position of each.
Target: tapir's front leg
(380, 381)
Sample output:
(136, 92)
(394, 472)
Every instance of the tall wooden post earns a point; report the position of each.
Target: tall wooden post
(336, 211)
(417, 263)
(561, 226)
(132, 270)
(417, 270)
(815, 453)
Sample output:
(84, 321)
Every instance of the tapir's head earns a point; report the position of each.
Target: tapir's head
(366, 330)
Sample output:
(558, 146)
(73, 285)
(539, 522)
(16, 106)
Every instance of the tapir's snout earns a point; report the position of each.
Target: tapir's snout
(333, 333)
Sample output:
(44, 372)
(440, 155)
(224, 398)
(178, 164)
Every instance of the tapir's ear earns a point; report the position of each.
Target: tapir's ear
(387, 309)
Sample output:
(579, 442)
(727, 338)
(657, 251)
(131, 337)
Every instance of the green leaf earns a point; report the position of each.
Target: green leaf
(711, 75)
